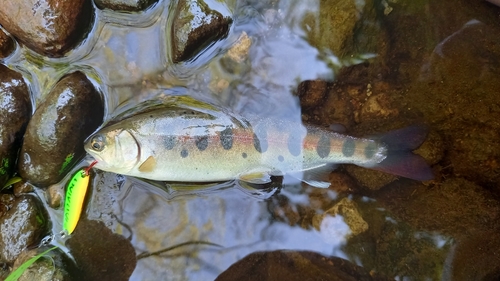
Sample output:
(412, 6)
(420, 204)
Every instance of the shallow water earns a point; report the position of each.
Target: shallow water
(126, 56)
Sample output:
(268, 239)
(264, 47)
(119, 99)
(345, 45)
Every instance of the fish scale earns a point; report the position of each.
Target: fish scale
(206, 144)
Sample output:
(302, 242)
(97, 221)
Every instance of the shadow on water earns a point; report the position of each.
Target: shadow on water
(382, 64)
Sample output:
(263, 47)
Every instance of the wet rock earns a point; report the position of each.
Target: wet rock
(52, 28)
(432, 149)
(377, 107)
(475, 154)
(196, 26)
(125, 5)
(371, 179)
(239, 51)
(463, 206)
(326, 103)
(7, 44)
(53, 266)
(15, 112)
(111, 257)
(483, 248)
(22, 187)
(295, 265)
(348, 210)
(312, 92)
(53, 143)
(335, 29)
(54, 195)
(6, 201)
(22, 226)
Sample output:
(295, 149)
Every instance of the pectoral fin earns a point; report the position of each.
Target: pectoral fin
(256, 178)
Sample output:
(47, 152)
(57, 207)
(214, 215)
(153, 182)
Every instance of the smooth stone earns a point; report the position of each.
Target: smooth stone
(7, 45)
(15, 112)
(110, 257)
(124, 5)
(296, 266)
(196, 26)
(48, 27)
(53, 142)
(22, 226)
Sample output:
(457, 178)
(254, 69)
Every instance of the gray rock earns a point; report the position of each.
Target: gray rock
(6, 44)
(125, 5)
(22, 226)
(196, 26)
(15, 112)
(54, 266)
(48, 27)
(53, 142)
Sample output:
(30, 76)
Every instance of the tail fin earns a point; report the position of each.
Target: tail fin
(400, 160)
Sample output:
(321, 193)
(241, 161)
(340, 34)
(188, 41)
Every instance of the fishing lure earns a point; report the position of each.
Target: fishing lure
(75, 196)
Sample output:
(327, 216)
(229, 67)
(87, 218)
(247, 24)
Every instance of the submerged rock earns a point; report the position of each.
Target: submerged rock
(312, 92)
(476, 257)
(196, 26)
(110, 257)
(48, 27)
(463, 206)
(22, 226)
(53, 266)
(6, 44)
(15, 112)
(125, 5)
(53, 143)
(296, 265)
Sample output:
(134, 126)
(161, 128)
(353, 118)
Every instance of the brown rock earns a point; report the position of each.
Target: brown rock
(125, 5)
(49, 27)
(454, 207)
(6, 44)
(370, 179)
(296, 266)
(53, 143)
(312, 92)
(22, 226)
(22, 187)
(110, 257)
(15, 112)
(55, 194)
(432, 149)
(475, 153)
(196, 26)
(483, 248)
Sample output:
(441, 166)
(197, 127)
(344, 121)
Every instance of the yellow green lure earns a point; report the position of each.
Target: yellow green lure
(75, 196)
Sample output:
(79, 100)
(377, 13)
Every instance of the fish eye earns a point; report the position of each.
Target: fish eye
(97, 143)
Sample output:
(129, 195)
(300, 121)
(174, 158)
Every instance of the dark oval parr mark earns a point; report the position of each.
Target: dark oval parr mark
(260, 141)
(323, 147)
(348, 147)
(201, 142)
(294, 144)
(170, 142)
(226, 138)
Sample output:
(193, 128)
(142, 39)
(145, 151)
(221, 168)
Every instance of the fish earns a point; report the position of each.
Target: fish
(191, 141)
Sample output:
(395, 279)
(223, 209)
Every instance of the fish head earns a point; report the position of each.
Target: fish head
(115, 150)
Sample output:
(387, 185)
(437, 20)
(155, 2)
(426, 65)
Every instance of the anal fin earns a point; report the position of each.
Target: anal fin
(317, 177)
